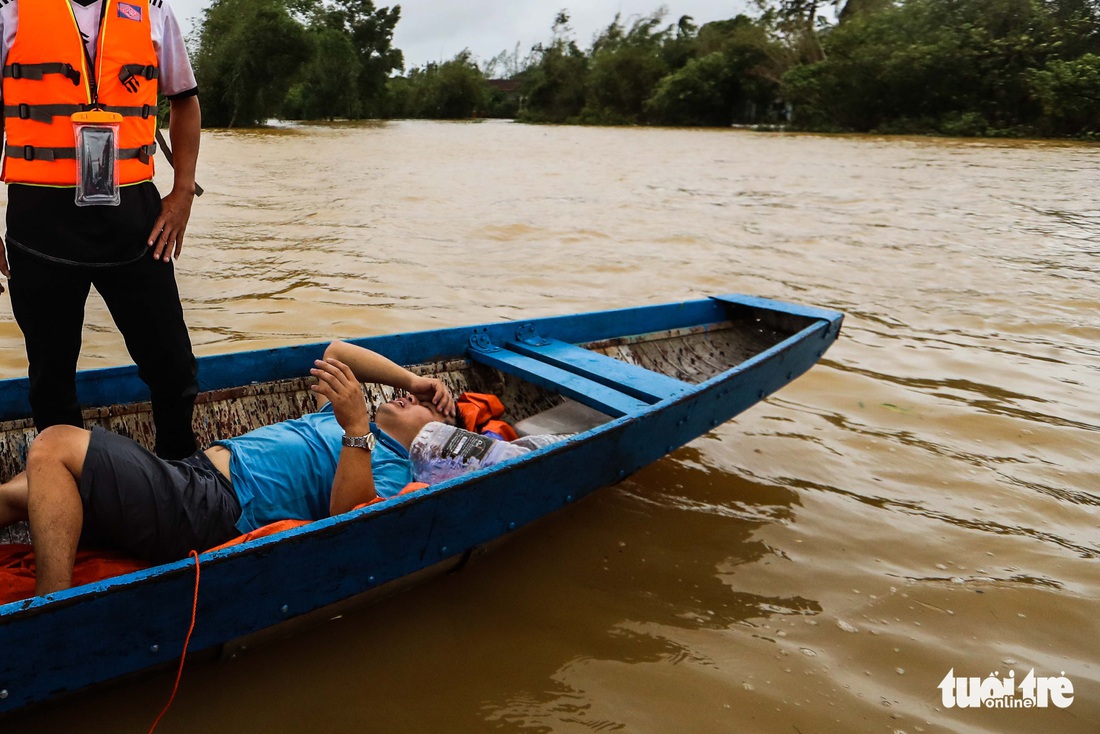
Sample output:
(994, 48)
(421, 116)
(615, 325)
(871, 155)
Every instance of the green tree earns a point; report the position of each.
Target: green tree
(554, 81)
(731, 79)
(731, 85)
(680, 47)
(625, 66)
(249, 53)
(453, 90)
(370, 30)
(955, 66)
(327, 86)
(700, 93)
(353, 57)
(1070, 95)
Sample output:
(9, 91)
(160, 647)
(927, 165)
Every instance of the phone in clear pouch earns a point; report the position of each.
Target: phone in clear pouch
(97, 158)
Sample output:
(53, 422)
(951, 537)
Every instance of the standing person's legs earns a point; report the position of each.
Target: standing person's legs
(48, 300)
(144, 301)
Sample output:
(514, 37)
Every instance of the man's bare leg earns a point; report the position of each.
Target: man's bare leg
(13, 500)
(54, 465)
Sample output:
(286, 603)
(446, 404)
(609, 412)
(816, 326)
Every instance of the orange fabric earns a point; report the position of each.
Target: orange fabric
(281, 525)
(47, 32)
(501, 429)
(266, 530)
(17, 569)
(412, 487)
(481, 412)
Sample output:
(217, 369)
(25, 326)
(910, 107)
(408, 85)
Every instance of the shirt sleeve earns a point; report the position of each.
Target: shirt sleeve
(177, 79)
(391, 473)
(6, 34)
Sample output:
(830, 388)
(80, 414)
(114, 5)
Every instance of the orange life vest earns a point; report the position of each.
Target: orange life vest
(46, 80)
(481, 413)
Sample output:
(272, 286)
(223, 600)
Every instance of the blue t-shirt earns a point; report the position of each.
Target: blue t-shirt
(285, 471)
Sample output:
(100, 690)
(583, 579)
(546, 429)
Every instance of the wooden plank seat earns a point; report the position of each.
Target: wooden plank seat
(645, 385)
(608, 385)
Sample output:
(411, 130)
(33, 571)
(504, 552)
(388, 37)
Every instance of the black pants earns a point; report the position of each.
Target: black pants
(48, 300)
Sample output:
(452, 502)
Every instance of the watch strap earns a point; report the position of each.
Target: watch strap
(366, 442)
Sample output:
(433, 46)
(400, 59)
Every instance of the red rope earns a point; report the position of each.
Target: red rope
(186, 642)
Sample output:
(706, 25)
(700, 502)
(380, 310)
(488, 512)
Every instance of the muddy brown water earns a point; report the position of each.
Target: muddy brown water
(925, 500)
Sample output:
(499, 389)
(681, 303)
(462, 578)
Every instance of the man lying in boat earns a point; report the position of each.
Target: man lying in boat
(106, 490)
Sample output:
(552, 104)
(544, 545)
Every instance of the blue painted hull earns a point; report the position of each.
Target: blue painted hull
(95, 633)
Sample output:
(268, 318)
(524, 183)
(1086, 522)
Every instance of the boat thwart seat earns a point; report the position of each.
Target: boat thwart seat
(606, 384)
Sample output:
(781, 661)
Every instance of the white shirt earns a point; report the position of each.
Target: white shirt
(176, 75)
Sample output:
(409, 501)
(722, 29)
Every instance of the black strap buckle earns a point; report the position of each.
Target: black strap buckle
(126, 76)
(16, 71)
(28, 152)
(73, 74)
(148, 111)
(24, 111)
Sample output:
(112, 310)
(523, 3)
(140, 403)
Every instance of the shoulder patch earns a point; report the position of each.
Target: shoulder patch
(129, 12)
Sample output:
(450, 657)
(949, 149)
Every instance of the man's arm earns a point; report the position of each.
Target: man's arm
(354, 482)
(369, 366)
(184, 127)
(339, 377)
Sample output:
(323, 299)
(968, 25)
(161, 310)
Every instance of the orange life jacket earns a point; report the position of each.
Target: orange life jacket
(481, 412)
(46, 80)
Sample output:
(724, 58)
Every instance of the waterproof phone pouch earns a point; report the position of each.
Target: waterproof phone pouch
(97, 158)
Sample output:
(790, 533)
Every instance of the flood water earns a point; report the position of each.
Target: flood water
(924, 500)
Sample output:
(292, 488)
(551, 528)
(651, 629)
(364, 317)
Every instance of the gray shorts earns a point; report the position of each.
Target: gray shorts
(153, 509)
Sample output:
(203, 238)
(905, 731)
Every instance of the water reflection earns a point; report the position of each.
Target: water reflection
(657, 585)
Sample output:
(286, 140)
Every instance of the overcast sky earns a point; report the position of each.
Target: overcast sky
(436, 30)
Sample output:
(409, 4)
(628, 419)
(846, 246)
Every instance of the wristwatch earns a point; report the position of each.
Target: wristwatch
(359, 442)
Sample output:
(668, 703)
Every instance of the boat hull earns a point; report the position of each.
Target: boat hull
(139, 621)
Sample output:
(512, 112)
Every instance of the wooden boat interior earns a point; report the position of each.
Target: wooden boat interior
(531, 374)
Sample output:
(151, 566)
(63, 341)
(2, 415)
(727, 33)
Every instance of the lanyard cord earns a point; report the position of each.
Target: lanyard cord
(93, 86)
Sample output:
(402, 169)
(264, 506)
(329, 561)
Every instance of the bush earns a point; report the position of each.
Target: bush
(1070, 95)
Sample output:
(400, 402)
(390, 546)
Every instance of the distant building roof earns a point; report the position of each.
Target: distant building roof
(507, 86)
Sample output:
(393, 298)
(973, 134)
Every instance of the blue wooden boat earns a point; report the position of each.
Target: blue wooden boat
(657, 377)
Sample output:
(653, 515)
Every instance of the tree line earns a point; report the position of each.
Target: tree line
(294, 59)
(958, 67)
